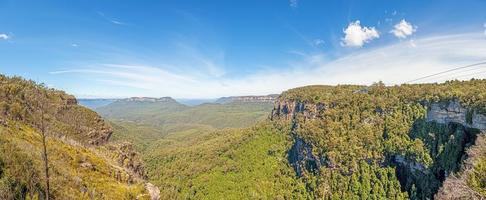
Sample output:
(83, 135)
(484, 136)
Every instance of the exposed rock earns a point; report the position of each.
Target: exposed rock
(148, 99)
(86, 165)
(248, 99)
(302, 159)
(453, 111)
(100, 133)
(413, 166)
(71, 100)
(127, 157)
(287, 109)
(153, 191)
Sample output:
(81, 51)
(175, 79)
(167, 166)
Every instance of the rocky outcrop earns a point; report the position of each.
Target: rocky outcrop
(148, 99)
(412, 166)
(302, 159)
(153, 191)
(248, 99)
(126, 156)
(70, 100)
(100, 133)
(286, 110)
(453, 111)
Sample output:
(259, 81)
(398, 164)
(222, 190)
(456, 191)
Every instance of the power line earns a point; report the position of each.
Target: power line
(447, 71)
(460, 72)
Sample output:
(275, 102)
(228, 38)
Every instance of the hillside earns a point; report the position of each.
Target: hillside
(140, 109)
(82, 163)
(422, 141)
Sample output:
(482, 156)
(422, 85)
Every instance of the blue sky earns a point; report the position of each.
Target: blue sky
(206, 49)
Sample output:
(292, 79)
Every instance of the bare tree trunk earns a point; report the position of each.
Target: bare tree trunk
(44, 152)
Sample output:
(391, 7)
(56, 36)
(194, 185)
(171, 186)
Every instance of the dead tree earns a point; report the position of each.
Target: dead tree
(44, 150)
(38, 112)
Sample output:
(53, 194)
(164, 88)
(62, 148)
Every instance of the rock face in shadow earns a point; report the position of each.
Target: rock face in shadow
(448, 130)
(302, 159)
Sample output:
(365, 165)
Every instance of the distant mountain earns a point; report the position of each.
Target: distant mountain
(248, 99)
(139, 109)
(95, 103)
(195, 102)
(149, 99)
(166, 110)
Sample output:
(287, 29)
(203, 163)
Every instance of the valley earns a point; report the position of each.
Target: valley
(389, 142)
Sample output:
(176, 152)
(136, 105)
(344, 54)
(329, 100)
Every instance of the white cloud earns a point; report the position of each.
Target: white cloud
(4, 36)
(403, 29)
(393, 64)
(294, 3)
(74, 45)
(318, 42)
(357, 36)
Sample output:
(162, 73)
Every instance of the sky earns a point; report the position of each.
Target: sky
(209, 49)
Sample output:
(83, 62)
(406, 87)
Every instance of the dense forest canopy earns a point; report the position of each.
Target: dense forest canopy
(376, 127)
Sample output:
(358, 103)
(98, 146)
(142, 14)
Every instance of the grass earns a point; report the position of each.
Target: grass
(69, 179)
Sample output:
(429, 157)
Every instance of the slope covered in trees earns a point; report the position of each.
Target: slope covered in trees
(36, 121)
(390, 131)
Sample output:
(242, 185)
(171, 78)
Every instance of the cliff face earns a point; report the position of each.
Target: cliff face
(453, 111)
(300, 156)
(287, 110)
(248, 99)
(148, 99)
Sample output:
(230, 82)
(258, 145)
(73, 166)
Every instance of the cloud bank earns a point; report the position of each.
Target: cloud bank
(393, 64)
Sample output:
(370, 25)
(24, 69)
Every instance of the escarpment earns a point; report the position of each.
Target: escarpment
(423, 138)
(248, 99)
(453, 111)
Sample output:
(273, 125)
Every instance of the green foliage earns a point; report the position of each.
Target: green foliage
(225, 164)
(385, 126)
(79, 168)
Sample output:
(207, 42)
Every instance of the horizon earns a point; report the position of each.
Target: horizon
(195, 50)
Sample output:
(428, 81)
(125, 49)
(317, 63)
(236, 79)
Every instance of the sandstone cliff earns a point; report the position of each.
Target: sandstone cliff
(248, 99)
(453, 111)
